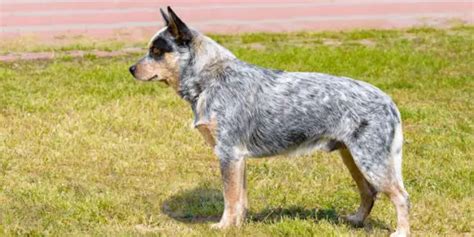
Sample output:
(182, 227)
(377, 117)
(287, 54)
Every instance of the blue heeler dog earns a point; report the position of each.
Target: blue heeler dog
(243, 110)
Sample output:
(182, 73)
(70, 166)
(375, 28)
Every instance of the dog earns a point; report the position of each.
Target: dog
(243, 110)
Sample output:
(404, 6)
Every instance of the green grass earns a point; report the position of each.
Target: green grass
(65, 44)
(86, 150)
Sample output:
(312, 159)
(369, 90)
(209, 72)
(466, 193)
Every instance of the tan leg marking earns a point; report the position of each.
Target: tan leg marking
(235, 195)
(208, 131)
(367, 193)
(400, 200)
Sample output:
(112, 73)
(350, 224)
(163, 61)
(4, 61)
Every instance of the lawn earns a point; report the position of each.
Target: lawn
(86, 150)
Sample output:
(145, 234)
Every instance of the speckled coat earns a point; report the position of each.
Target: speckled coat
(244, 110)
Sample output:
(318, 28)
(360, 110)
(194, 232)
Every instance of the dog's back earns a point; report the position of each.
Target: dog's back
(270, 111)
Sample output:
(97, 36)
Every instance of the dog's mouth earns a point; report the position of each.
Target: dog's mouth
(151, 78)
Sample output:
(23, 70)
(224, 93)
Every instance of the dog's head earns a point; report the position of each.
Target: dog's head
(167, 53)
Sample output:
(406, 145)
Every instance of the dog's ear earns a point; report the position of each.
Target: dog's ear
(165, 17)
(177, 28)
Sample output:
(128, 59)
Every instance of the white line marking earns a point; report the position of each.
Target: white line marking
(348, 18)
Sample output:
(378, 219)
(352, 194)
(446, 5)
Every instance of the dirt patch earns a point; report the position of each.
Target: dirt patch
(257, 46)
(331, 42)
(74, 54)
(367, 42)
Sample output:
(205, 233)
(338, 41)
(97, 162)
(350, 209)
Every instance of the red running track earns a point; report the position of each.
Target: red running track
(112, 18)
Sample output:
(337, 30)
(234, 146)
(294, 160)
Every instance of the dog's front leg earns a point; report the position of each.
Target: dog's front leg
(235, 193)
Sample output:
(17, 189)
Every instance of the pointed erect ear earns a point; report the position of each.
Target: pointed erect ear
(177, 28)
(165, 17)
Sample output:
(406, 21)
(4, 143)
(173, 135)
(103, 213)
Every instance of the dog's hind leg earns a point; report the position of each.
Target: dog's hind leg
(396, 190)
(367, 192)
(235, 193)
(379, 161)
(399, 197)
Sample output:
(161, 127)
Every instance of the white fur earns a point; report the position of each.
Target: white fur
(396, 153)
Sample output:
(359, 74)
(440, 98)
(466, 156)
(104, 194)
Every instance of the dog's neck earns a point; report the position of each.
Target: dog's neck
(202, 67)
(208, 51)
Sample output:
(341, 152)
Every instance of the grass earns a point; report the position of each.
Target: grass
(86, 150)
(61, 44)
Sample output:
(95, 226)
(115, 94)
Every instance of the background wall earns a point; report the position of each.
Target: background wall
(111, 18)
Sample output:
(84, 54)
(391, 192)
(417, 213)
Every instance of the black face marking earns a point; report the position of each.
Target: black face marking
(159, 47)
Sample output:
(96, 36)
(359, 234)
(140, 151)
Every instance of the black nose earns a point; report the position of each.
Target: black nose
(132, 69)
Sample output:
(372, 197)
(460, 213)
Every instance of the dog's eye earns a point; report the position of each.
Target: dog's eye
(155, 51)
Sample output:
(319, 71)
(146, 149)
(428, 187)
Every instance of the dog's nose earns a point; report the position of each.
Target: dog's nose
(132, 69)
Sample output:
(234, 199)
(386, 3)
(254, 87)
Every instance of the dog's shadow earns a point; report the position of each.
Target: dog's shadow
(205, 204)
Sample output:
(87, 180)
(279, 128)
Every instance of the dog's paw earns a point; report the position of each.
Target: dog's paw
(400, 233)
(219, 226)
(354, 220)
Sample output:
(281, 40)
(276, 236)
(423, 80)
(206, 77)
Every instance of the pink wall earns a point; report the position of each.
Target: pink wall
(107, 18)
